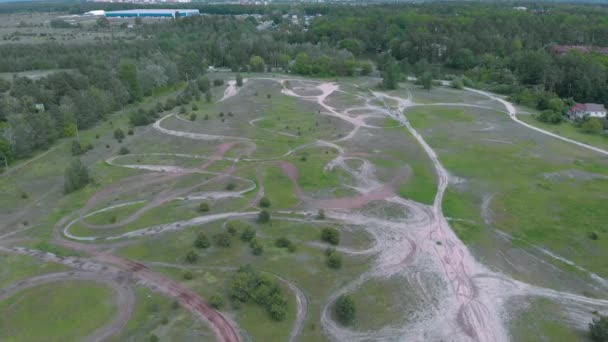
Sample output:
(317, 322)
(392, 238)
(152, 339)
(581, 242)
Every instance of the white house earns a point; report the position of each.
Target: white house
(585, 110)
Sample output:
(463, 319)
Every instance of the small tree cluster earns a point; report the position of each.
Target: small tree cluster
(264, 202)
(284, 242)
(330, 235)
(222, 240)
(248, 285)
(256, 247)
(201, 241)
(192, 257)
(263, 216)
(76, 176)
(344, 309)
(203, 207)
(598, 329)
(248, 234)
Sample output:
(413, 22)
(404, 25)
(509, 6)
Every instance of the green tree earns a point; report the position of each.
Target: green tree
(598, 329)
(334, 260)
(592, 126)
(127, 72)
(239, 80)
(76, 176)
(426, 80)
(208, 96)
(119, 134)
(192, 257)
(203, 207)
(248, 234)
(216, 302)
(256, 63)
(264, 202)
(76, 148)
(330, 235)
(256, 247)
(201, 241)
(344, 309)
(103, 22)
(366, 68)
(222, 240)
(263, 216)
(390, 75)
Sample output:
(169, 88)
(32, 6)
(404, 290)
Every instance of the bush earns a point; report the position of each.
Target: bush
(231, 229)
(76, 177)
(191, 257)
(216, 302)
(550, 116)
(248, 285)
(222, 240)
(256, 247)
(153, 338)
(248, 234)
(218, 82)
(119, 134)
(344, 309)
(598, 329)
(188, 275)
(203, 207)
(201, 241)
(593, 126)
(264, 202)
(230, 186)
(263, 216)
(24, 195)
(283, 242)
(123, 151)
(330, 235)
(192, 117)
(594, 236)
(321, 214)
(76, 148)
(334, 260)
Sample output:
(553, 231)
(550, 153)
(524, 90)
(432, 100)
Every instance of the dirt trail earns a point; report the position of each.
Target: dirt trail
(231, 90)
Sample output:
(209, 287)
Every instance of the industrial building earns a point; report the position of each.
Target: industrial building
(151, 13)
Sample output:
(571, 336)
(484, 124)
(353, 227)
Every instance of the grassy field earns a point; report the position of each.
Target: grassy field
(569, 130)
(19, 267)
(66, 311)
(546, 192)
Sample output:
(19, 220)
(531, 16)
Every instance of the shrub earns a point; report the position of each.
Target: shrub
(216, 302)
(191, 257)
(321, 214)
(123, 151)
(76, 177)
(344, 309)
(256, 247)
(283, 242)
(231, 229)
(594, 236)
(248, 234)
(593, 126)
(330, 235)
(248, 285)
(263, 216)
(218, 82)
(192, 117)
(222, 240)
(119, 134)
(264, 202)
(24, 195)
(334, 260)
(76, 148)
(598, 329)
(230, 186)
(188, 275)
(203, 207)
(201, 241)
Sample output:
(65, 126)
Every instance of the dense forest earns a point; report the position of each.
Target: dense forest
(488, 46)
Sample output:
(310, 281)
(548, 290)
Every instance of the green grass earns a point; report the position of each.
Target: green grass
(534, 324)
(19, 267)
(568, 130)
(557, 214)
(65, 311)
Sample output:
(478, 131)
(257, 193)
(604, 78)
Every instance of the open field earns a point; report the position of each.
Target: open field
(447, 211)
